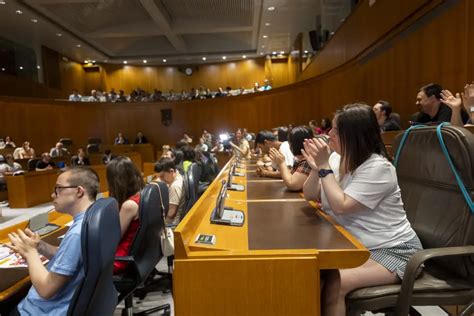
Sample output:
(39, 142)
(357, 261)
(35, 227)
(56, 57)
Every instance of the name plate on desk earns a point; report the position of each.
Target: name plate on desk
(236, 187)
(238, 174)
(229, 217)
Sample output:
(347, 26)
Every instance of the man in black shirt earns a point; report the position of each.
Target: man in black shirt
(433, 110)
(45, 163)
(383, 111)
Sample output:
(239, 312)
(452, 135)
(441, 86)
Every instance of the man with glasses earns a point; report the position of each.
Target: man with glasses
(54, 285)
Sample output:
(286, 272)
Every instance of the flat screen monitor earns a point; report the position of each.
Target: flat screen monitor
(220, 201)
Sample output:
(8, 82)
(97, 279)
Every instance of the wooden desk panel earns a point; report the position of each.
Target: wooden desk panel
(101, 172)
(32, 188)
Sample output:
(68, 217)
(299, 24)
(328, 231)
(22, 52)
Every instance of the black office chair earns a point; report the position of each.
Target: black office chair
(96, 294)
(92, 148)
(32, 163)
(67, 142)
(442, 220)
(145, 252)
(94, 140)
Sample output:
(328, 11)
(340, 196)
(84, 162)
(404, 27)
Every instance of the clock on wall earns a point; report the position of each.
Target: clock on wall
(188, 71)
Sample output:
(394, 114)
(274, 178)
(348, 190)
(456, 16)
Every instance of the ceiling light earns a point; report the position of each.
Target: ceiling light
(305, 51)
(164, 60)
(244, 56)
(59, 34)
(272, 8)
(204, 58)
(78, 45)
(21, 67)
(274, 53)
(19, 12)
(267, 24)
(38, 67)
(93, 61)
(224, 57)
(105, 60)
(145, 61)
(263, 46)
(265, 36)
(34, 20)
(3, 69)
(282, 52)
(86, 61)
(125, 62)
(3, 2)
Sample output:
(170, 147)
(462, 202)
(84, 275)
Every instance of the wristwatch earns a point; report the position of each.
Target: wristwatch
(324, 172)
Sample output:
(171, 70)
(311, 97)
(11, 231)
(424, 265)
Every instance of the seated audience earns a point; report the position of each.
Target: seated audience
(314, 126)
(295, 178)
(358, 187)
(241, 147)
(125, 184)
(54, 285)
(266, 140)
(8, 143)
(120, 139)
(166, 172)
(325, 127)
(283, 133)
(75, 96)
(8, 166)
(121, 97)
(26, 151)
(45, 163)
(186, 139)
(141, 139)
(80, 159)
(108, 156)
(202, 146)
(434, 111)
(383, 111)
(218, 147)
(266, 85)
(58, 150)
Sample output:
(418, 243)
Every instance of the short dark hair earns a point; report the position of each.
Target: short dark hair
(282, 133)
(385, 107)
(165, 164)
(432, 89)
(124, 179)
(86, 178)
(359, 135)
(264, 135)
(188, 153)
(297, 136)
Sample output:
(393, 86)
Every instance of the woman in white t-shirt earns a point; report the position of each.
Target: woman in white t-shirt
(358, 187)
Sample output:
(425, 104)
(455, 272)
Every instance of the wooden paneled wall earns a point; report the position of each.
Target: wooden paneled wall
(435, 46)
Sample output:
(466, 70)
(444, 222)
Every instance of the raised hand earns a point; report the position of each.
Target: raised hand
(454, 102)
(276, 156)
(468, 96)
(309, 152)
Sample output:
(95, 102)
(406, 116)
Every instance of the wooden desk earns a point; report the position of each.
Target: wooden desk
(13, 280)
(270, 266)
(388, 140)
(147, 151)
(101, 172)
(32, 188)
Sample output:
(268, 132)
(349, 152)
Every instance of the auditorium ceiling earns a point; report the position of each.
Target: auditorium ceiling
(178, 31)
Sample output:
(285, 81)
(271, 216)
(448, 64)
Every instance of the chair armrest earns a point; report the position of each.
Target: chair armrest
(124, 258)
(421, 256)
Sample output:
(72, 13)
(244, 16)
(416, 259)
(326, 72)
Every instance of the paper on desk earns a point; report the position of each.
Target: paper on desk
(10, 259)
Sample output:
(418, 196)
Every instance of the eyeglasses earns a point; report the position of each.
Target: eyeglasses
(58, 188)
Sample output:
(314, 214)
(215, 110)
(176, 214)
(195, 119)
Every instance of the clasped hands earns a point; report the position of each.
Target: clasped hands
(24, 242)
(316, 152)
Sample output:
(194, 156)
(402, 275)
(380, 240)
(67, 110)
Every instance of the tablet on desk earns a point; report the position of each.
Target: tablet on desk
(39, 224)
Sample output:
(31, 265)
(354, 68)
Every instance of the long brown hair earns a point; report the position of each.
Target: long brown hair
(359, 135)
(124, 179)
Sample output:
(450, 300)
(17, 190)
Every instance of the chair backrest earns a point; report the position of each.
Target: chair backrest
(67, 142)
(146, 247)
(100, 235)
(191, 186)
(94, 140)
(432, 198)
(92, 148)
(32, 163)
